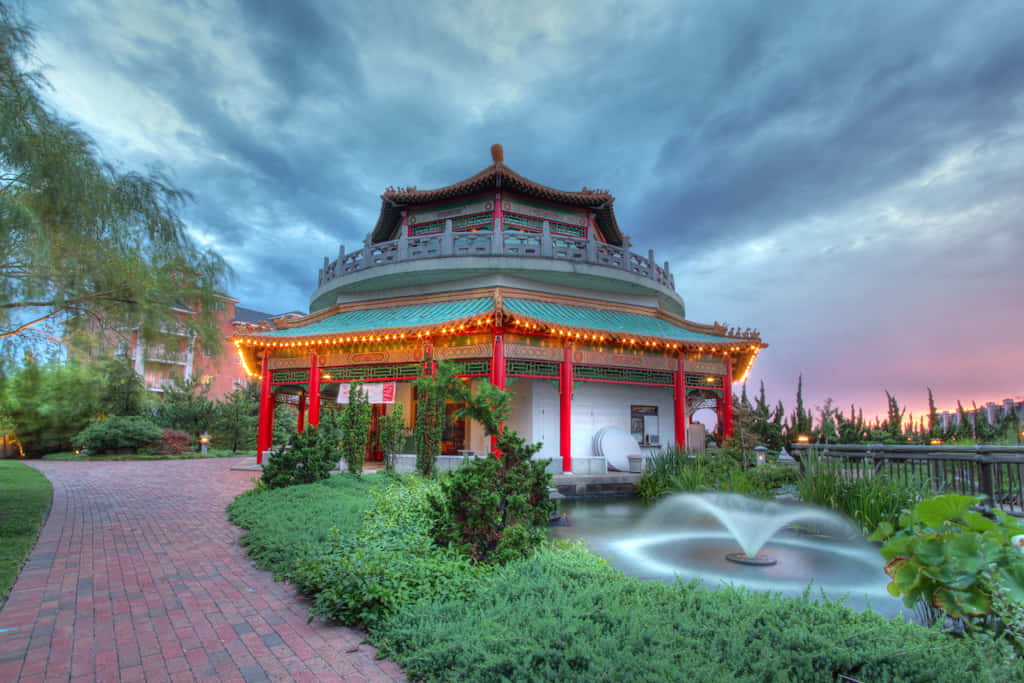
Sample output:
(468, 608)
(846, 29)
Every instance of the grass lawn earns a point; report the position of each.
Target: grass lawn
(25, 496)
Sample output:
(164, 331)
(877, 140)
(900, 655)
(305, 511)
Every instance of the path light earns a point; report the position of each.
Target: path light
(204, 441)
(803, 438)
(761, 452)
(935, 442)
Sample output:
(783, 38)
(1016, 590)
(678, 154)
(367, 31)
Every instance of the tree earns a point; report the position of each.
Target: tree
(392, 434)
(122, 391)
(84, 247)
(432, 394)
(185, 405)
(355, 428)
(46, 405)
(496, 509)
(934, 427)
(236, 419)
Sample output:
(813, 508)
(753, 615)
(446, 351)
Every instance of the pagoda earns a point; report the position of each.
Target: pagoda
(528, 287)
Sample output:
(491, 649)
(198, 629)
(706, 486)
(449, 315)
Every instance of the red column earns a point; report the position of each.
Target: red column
(498, 373)
(565, 410)
(265, 431)
(314, 391)
(498, 360)
(302, 413)
(727, 399)
(680, 406)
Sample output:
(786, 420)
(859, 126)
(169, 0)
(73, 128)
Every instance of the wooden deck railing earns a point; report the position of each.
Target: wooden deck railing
(996, 472)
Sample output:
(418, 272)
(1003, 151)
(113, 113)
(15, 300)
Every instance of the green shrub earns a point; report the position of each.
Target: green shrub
(119, 434)
(773, 475)
(495, 509)
(565, 615)
(673, 470)
(309, 457)
(951, 556)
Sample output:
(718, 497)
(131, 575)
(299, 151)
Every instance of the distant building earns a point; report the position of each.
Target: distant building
(991, 411)
(180, 358)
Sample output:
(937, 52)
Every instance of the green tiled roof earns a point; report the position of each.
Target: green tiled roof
(609, 321)
(394, 318)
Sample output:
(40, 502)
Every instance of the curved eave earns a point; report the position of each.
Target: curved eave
(491, 178)
(345, 326)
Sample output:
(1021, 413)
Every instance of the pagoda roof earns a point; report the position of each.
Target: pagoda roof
(555, 312)
(494, 177)
(619, 323)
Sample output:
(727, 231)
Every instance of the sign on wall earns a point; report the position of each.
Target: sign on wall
(376, 392)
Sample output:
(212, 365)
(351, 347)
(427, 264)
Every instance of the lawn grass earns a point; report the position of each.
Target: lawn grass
(25, 497)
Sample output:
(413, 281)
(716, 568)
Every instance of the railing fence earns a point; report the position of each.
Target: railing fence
(996, 472)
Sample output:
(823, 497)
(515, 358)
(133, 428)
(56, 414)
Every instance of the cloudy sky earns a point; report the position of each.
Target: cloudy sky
(845, 177)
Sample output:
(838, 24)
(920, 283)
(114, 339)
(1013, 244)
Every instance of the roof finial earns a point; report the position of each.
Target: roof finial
(498, 154)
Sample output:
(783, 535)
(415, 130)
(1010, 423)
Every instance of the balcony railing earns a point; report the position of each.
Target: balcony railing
(157, 354)
(536, 244)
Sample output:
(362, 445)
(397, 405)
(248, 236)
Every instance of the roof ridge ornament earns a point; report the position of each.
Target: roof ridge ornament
(497, 154)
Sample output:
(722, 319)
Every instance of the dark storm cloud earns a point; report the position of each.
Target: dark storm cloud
(832, 120)
(858, 144)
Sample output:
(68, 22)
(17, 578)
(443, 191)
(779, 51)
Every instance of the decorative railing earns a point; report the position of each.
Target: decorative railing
(509, 242)
(996, 472)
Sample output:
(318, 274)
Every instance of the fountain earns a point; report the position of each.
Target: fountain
(726, 538)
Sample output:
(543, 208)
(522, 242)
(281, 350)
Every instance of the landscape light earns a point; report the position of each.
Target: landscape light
(803, 438)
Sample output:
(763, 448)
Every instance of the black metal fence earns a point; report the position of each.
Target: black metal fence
(997, 472)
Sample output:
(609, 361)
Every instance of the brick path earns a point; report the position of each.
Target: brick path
(138, 576)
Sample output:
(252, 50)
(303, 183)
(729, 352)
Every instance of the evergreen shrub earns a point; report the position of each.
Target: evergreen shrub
(309, 457)
(565, 615)
(495, 509)
(119, 434)
(361, 578)
(282, 522)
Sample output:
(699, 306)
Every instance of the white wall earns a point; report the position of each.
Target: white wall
(599, 404)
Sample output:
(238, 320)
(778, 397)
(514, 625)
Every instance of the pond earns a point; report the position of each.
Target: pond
(680, 537)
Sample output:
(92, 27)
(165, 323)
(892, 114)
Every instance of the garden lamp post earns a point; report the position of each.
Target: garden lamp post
(204, 441)
(761, 453)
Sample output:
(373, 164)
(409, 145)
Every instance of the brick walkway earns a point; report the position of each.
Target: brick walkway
(138, 576)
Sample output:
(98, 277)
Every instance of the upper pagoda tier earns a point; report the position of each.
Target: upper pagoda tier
(496, 228)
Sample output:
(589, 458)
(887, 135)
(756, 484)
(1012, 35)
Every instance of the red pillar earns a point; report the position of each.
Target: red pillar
(265, 431)
(565, 410)
(680, 406)
(314, 391)
(302, 413)
(498, 373)
(727, 399)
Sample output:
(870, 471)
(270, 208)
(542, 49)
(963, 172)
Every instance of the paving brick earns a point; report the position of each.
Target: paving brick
(138, 575)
